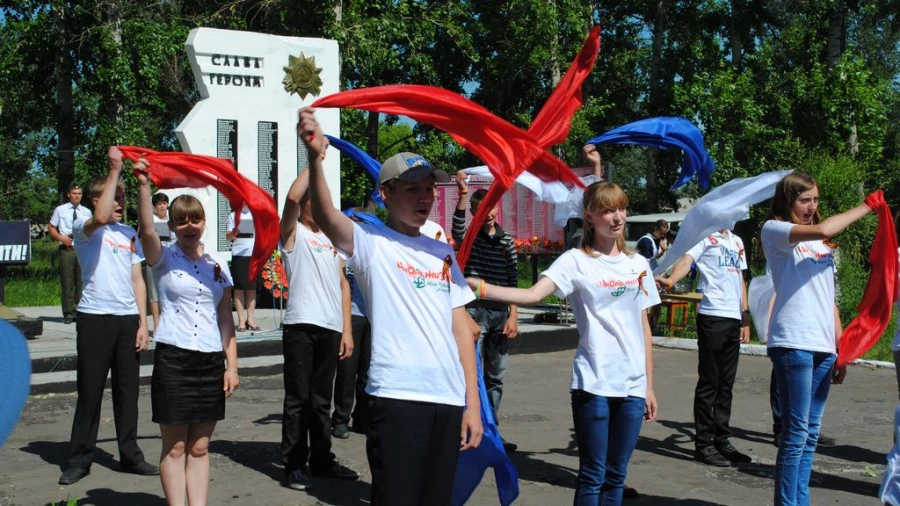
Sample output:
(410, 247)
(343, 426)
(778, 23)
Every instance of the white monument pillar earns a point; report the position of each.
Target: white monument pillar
(251, 86)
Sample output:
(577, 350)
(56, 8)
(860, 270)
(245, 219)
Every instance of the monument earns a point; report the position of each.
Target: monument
(251, 86)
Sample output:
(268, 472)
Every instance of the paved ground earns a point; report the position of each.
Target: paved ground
(535, 414)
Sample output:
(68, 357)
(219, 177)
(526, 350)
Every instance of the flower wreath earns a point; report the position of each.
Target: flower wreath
(274, 276)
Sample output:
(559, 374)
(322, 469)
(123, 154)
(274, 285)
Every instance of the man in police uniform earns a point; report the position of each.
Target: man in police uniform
(69, 269)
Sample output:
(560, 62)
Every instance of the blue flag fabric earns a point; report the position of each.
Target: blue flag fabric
(666, 133)
(490, 453)
(372, 166)
(363, 217)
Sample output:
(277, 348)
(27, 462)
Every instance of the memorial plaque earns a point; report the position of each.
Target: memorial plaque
(267, 156)
(226, 147)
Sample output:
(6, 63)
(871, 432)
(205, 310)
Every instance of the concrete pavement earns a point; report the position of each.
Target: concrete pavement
(536, 414)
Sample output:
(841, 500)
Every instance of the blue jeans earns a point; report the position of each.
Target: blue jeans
(494, 351)
(606, 431)
(804, 378)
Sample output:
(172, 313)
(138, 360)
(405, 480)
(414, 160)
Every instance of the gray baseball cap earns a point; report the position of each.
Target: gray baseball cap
(409, 167)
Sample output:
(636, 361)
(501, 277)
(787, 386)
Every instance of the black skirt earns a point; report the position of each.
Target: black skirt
(240, 274)
(187, 386)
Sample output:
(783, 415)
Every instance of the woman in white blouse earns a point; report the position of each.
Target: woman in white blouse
(194, 340)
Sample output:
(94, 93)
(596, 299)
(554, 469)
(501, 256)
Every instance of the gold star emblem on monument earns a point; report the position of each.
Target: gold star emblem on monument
(302, 76)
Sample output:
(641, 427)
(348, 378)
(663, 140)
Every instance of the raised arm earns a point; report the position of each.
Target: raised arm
(681, 269)
(458, 227)
(149, 238)
(829, 227)
(593, 157)
(291, 211)
(518, 296)
(336, 226)
(106, 204)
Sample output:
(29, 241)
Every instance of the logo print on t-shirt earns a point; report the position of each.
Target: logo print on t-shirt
(421, 279)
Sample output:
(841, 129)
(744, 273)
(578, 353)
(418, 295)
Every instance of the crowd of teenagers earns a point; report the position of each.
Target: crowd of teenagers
(398, 357)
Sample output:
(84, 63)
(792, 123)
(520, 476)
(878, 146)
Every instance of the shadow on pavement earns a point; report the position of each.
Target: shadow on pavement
(852, 454)
(57, 453)
(817, 480)
(109, 497)
(261, 456)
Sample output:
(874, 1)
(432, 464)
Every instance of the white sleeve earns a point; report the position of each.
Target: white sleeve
(776, 237)
(138, 255)
(697, 250)
(561, 272)
(648, 287)
(230, 223)
(741, 253)
(460, 293)
(363, 248)
(54, 220)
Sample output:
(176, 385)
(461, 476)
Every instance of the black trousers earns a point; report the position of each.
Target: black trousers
(106, 342)
(69, 280)
(412, 449)
(310, 359)
(352, 377)
(719, 348)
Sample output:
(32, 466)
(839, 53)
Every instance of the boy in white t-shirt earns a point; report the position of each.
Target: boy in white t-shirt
(317, 333)
(723, 323)
(111, 327)
(424, 407)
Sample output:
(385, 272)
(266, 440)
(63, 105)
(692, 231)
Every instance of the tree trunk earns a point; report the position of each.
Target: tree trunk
(65, 123)
(117, 109)
(737, 48)
(659, 30)
(372, 135)
(837, 33)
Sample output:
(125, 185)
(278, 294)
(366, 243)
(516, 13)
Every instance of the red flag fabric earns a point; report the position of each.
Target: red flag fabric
(184, 170)
(506, 149)
(874, 310)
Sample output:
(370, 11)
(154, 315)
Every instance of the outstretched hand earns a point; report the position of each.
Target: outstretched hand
(115, 158)
(141, 171)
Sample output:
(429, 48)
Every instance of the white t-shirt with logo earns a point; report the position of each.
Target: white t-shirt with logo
(64, 217)
(313, 269)
(608, 294)
(106, 258)
(189, 295)
(803, 275)
(242, 246)
(411, 286)
(720, 258)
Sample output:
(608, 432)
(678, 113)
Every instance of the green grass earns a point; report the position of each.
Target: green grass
(35, 284)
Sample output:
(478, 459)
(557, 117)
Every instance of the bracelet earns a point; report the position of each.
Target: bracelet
(463, 192)
(234, 370)
(483, 289)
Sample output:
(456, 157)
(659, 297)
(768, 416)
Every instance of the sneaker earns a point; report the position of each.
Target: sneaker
(336, 470)
(826, 440)
(710, 456)
(298, 479)
(509, 447)
(732, 454)
(340, 431)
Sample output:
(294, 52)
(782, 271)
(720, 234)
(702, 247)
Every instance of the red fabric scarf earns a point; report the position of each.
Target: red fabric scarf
(180, 170)
(506, 149)
(881, 290)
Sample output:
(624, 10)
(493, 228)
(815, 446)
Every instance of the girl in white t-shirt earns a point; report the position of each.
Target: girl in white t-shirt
(805, 326)
(610, 289)
(194, 341)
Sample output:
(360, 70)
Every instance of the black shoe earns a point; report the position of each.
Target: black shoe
(142, 468)
(732, 454)
(298, 479)
(509, 447)
(710, 456)
(630, 493)
(340, 431)
(68, 320)
(826, 440)
(73, 475)
(335, 470)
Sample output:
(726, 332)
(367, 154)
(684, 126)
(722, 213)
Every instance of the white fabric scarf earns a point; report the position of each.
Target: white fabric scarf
(720, 209)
